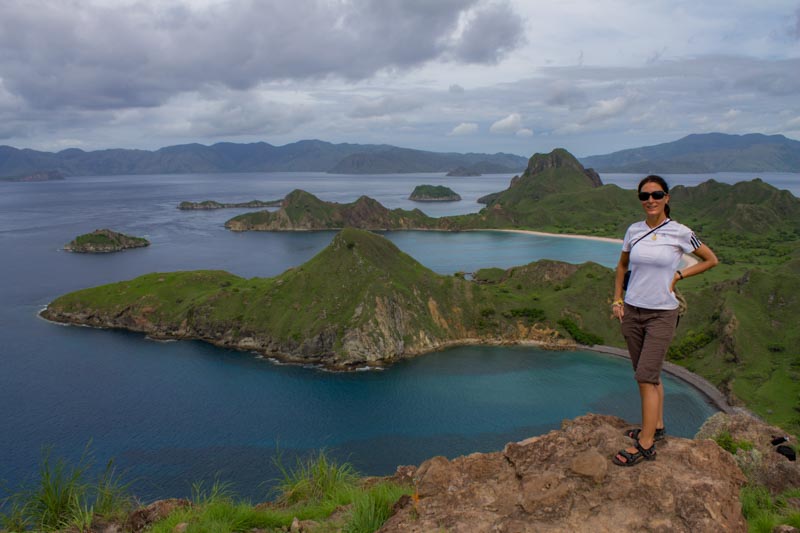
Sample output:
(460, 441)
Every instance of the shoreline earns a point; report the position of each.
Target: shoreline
(688, 259)
(566, 235)
(701, 384)
(706, 388)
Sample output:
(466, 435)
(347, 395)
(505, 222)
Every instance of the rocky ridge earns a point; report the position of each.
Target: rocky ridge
(301, 210)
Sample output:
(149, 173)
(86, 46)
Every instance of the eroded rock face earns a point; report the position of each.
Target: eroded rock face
(762, 464)
(565, 481)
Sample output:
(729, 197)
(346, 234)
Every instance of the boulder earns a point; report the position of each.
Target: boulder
(565, 481)
(762, 463)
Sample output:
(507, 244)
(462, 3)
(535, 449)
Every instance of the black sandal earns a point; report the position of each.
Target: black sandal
(631, 459)
(661, 434)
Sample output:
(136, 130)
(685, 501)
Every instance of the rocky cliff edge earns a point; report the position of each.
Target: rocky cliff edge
(565, 481)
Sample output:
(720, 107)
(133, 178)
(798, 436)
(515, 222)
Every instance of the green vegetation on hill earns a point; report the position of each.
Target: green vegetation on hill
(304, 211)
(427, 193)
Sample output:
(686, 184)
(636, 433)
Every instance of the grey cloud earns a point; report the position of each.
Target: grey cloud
(81, 54)
(385, 105)
(493, 31)
(236, 118)
(565, 94)
(456, 89)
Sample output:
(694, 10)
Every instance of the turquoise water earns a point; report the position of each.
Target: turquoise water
(173, 413)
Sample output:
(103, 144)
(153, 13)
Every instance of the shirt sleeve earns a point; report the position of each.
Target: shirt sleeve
(689, 241)
(626, 242)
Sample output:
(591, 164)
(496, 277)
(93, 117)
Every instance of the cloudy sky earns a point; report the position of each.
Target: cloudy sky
(517, 76)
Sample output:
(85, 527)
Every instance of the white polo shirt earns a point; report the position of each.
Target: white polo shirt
(653, 262)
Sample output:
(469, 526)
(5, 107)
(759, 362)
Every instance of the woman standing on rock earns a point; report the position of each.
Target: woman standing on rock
(652, 248)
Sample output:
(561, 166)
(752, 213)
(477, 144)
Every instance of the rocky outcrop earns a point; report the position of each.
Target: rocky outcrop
(560, 158)
(104, 241)
(565, 481)
(751, 441)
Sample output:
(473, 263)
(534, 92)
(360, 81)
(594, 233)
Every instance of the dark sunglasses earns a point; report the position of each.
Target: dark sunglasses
(657, 195)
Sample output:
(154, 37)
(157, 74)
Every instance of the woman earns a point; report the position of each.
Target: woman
(649, 313)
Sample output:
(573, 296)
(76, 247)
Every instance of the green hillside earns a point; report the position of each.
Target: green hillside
(361, 300)
(301, 210)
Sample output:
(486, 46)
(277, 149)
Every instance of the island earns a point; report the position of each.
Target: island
(47, 175)
(463, 172)
(360, 301)
(212, 204)
(104, 241)
(434, 193)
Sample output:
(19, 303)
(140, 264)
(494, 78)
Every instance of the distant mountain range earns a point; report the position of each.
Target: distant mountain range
(705, 153)
(309, 156)
(697, 153)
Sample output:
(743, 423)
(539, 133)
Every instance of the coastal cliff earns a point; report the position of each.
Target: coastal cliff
(104, 241)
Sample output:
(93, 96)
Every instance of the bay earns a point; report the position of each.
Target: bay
(178, 412)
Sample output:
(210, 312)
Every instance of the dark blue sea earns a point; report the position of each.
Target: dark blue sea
(172, 413)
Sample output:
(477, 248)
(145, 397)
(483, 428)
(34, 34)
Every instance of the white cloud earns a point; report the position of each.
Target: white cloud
(604, 109)
(510, 124)
(524, 132)
(465, 128)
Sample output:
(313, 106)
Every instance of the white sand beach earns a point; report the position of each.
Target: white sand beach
(688, 259)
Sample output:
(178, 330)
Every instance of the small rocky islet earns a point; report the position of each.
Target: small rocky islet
(434, 193)
(104, 241)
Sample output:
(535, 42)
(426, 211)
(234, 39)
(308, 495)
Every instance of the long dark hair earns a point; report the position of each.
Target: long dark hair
(652, 178)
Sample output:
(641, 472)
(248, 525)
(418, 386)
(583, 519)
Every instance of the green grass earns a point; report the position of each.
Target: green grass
(313, 489)
(764, 511)
(727, 443)
(64, 495)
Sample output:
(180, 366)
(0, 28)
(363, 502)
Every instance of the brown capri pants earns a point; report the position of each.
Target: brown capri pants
(648, 333)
